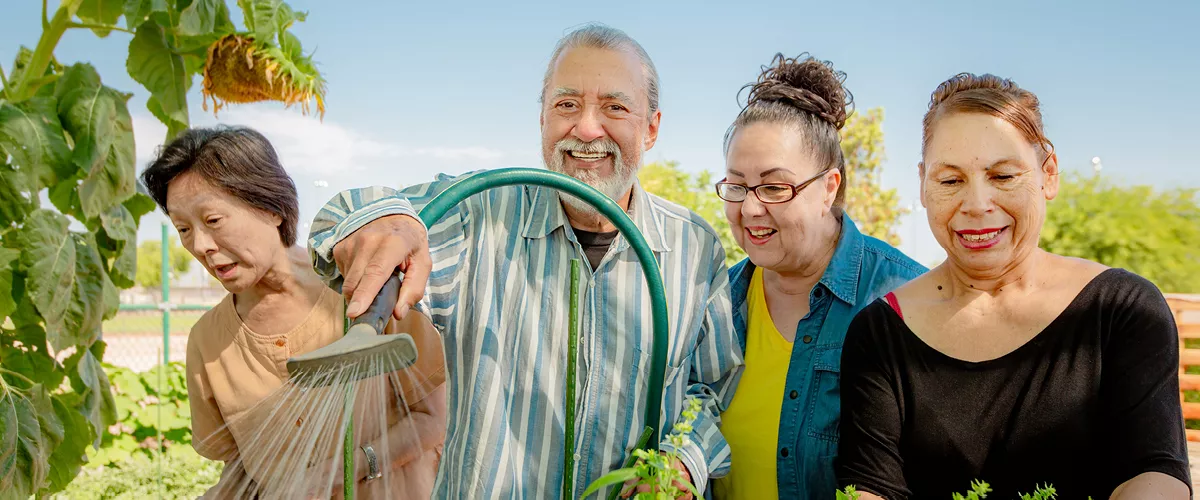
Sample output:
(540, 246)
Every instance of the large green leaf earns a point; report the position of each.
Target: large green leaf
(92, 385)
(15, 201)
(31, 359)
(200, 17)
(48, 256)
(265, 18)
(119, 227)
(8, 433)
(77, 76)
(139, 205)
(65, 196)
(94, 297)
(138, 11)
(9, 259)
(99, 121)
(69, 454)
(118, 223)
(31, 133)
(152, 64)
(101, 12)
(32, 454)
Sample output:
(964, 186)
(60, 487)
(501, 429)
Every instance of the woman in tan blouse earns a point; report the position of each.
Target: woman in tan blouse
(236, 210)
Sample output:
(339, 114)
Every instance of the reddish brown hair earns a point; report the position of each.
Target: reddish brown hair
(991, 95)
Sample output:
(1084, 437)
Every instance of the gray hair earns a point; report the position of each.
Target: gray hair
(599, 36)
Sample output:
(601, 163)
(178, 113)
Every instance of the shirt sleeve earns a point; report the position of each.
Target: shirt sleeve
(715, 371)
(1139, 387)
(350, 210)
(210, 437)
(869, 448)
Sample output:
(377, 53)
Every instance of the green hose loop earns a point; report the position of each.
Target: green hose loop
(475, 184)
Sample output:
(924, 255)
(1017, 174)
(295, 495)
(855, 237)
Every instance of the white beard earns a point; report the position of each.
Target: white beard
(614, 186)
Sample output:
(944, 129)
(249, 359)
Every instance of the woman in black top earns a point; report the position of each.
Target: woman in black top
(1006, 363)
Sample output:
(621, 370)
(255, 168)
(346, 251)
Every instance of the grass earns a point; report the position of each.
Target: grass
(149, 323)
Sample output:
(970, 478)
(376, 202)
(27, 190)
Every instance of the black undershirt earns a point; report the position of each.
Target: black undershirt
(595, 245)
(1087, 404)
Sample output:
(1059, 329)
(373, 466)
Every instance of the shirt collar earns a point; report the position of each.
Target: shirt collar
(547, 214)
(841, 276)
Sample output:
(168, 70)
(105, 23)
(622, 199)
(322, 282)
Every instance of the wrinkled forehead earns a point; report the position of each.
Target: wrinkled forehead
(598, 74)
(977, 140)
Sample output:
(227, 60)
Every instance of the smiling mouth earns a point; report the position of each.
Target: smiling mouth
(761, 233)
(579, 155)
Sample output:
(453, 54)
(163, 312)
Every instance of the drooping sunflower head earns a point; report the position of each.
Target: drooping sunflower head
(241, 70)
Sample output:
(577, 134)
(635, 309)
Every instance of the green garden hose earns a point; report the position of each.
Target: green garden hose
(475, 184)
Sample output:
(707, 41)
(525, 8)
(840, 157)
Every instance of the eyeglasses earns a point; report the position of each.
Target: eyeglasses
(770, 193)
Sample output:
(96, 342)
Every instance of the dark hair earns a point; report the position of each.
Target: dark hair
(237, 160)
(807, 94)
(991, 95)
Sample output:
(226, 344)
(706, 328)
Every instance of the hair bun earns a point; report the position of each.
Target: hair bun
(804, 83)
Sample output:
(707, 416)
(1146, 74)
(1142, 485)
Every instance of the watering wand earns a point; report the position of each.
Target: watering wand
(362, 353)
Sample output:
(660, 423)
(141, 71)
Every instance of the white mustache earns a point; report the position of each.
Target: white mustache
(602, 145)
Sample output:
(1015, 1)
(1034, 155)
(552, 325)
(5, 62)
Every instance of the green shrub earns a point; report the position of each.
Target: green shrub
(184, 474)
(152, 410)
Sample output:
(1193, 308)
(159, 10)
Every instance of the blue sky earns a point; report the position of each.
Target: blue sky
(421, 87)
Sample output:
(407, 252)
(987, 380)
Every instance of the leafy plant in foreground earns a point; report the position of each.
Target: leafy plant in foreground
(655, 469)
(979, 491)
(67, 138)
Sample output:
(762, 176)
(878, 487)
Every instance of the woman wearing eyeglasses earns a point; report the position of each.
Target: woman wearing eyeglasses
(809, 271)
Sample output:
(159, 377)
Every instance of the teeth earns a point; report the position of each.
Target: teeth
(980, 237)
(761, 232)
(588, 156)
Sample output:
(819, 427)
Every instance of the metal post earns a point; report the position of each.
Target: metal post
(166, 353)
(166, 296)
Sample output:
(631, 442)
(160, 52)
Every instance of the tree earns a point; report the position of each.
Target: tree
(874, 209)
(149, 256)
(67, 137)
(696, 192)
(1154, 234)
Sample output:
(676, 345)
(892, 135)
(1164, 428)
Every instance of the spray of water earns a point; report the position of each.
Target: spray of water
(296, 436)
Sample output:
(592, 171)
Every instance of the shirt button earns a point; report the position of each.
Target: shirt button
(807, 339)
(280, 342)
(577, 457)
(783, 452)
(794, 394)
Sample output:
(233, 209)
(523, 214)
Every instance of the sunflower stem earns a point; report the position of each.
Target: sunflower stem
(3, 82)
(45, 49)
(100, 27)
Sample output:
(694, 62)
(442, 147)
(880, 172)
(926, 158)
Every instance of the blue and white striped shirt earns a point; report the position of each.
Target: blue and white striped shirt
(499, 293)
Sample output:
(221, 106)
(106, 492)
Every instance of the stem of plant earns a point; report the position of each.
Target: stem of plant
(45, 48)
(100, 27)
(3, 81)
(45, 20)
(18, 375)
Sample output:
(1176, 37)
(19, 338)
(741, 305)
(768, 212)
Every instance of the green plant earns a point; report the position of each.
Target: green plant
(656, 469)
(153, 425)
(152, 411)
(184, 475)
(68, 138)
(979, 491)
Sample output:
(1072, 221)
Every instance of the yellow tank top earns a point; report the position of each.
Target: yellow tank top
(751, 424)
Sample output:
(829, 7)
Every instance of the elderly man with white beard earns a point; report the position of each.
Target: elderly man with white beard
(497, 281)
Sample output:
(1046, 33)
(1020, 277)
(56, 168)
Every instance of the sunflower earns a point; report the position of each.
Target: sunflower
(241, 70)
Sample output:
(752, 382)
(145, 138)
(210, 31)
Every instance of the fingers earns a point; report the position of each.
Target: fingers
(416, 275)
(377, 271)
(352, 281)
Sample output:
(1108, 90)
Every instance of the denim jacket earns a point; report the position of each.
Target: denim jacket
(862, 269)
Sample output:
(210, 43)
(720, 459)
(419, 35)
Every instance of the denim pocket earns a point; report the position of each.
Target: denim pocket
(825, 405)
